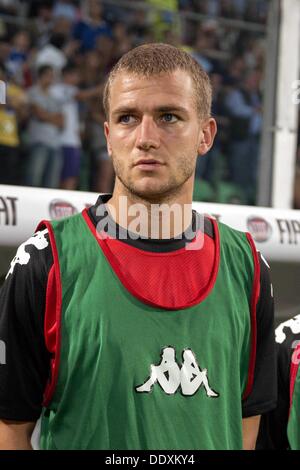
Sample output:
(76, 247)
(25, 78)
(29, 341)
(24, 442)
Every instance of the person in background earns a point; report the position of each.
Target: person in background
(52, 53)
(68, 94)
(45, 124)
(93, 26)
(18, 57)
(199, 51)
(101, 168)
(41, 13)
(244, 106)
(12, 114)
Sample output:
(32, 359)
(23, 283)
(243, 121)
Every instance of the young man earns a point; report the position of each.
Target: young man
(134, 336)
(280, 428)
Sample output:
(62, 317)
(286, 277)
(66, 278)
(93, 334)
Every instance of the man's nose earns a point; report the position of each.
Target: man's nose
(147, 134)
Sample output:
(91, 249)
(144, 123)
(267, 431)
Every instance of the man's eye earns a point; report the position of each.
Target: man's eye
(169, 117)
(126, 119)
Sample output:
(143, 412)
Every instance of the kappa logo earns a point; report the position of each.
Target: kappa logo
(293, 324)
(22, 257)
(170, 376)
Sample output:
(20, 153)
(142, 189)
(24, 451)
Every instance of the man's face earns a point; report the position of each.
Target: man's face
(154, 133)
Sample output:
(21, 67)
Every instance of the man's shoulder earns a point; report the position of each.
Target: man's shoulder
(229, 233)
(63, 221)
(33, 256)
(238, 248)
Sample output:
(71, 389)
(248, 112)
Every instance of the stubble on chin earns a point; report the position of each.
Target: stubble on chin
(157, 192)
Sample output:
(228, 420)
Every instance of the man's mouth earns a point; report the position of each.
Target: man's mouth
(147, 164)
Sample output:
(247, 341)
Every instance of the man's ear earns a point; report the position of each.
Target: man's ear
(106, 132)
(208, 132)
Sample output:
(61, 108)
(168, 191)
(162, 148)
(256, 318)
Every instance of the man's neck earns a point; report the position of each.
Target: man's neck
(161, 218)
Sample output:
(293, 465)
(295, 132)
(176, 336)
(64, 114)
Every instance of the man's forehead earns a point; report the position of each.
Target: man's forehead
(173, 85)
(126, 75)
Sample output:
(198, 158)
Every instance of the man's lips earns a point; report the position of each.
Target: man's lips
(148, 164)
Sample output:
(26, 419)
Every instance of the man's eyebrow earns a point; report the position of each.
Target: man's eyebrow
(171, 108)
(124, 110)
(159, 109)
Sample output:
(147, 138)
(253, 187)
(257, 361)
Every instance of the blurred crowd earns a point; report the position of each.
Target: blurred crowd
(55, 56)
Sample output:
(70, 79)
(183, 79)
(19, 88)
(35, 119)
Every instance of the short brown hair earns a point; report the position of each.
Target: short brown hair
(157, 58)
